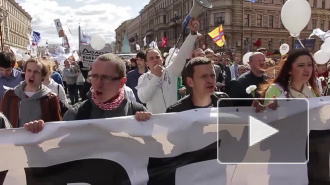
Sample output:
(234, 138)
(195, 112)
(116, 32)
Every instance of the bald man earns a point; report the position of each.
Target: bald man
(256, 76)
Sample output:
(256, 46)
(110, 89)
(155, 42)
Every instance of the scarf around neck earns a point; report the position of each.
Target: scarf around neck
(110, 105)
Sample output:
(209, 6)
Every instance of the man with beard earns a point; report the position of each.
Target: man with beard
(256, 76)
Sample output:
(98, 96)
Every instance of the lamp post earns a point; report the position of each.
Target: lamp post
(174, 19)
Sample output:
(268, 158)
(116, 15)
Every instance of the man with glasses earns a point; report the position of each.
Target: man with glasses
(9, 76)
(107, 96)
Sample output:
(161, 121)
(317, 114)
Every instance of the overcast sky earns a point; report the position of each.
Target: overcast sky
(95, 16)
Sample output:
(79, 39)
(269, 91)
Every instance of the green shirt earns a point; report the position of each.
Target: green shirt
(273, 90)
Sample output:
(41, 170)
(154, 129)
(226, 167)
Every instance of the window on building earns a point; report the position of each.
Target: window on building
(323, 4)
(315, 3)
(270, 44)
(271, 21)
(246, 19)
(314, 24)
(271, 1)
(164, 18)
(322, 24)
(219, 18)
(259, 20)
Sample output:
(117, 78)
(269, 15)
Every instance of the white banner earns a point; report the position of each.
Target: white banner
(177, 148)
(89, 54)
(59, 28)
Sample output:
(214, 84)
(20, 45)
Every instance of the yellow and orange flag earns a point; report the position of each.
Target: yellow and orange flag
(218, 36)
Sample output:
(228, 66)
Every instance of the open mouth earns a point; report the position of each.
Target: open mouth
(211, 87)
(31, 80)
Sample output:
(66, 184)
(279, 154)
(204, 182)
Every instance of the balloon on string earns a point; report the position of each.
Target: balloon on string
(246, 57)
(295, 15)
(19, 57)
(284, 49)
(325, 47)
(97, 42)
(321, 57)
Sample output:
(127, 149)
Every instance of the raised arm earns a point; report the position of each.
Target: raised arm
(186, 49)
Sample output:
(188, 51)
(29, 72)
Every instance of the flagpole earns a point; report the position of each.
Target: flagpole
(79, 38)
(242, 42)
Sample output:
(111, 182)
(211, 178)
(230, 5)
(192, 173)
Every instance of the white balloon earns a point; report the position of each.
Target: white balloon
(97, 42)
(26, 57)
(284, 49)
(326, 46)
(321, 57)
(246, 57)
(19, 57)
(295, 15)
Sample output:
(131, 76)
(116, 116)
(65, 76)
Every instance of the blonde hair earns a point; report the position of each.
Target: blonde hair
(49, 65)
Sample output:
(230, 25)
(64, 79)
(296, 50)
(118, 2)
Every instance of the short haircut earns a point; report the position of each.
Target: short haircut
(189, 68)
(198, 49)
(253, 54)
(7, 59)
(153, 49)
(44, 68)
(141, 55)
(120, 64)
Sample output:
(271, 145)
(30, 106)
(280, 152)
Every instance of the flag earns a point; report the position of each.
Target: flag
(218, 36)
(145, 41)
(164, 42)
(35, 38)
(84, 37)
(155, 44)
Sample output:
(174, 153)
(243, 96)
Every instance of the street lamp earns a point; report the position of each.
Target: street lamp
(174, 19)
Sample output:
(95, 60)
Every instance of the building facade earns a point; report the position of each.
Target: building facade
(15, 25)
(247, 26)
(121, 31)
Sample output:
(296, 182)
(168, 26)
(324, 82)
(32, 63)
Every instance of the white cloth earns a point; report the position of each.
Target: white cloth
(129, 93)
(161, 92)
(232, 72)
(58, 90)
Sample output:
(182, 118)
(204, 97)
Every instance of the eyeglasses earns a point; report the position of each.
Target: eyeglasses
(94, 77)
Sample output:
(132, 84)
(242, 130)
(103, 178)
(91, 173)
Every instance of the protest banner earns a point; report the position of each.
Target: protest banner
(176, 148)
(89, 55)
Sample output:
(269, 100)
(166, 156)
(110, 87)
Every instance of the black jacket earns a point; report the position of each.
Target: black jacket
(187, 104)
(237, 88)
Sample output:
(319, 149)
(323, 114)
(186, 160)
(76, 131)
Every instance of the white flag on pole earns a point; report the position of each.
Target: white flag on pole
(145, 41)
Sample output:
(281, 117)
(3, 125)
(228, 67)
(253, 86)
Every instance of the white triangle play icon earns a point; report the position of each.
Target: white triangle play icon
(259, 131)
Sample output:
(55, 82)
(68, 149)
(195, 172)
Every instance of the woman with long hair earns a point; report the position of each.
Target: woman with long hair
(296, 78)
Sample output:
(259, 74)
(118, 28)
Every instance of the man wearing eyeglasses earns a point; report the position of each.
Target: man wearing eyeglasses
(107, 97)
(9, 76)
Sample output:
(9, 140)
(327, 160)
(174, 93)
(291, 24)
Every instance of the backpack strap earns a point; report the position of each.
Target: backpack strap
(10, 107)
(84, 110)
(50, 108)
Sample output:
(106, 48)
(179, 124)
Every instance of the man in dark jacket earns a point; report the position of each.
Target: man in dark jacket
(202, 80)
(256, 76)
(134, 75)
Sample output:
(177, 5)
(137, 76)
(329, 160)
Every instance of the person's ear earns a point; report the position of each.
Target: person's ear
(123, 82)
(190, 82)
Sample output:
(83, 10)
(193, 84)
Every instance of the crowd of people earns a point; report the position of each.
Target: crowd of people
(191, 79)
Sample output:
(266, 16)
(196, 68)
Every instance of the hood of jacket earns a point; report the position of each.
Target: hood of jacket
(30, 107)
(19, 91)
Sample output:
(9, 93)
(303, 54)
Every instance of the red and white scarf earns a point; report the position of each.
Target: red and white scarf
(110, 105)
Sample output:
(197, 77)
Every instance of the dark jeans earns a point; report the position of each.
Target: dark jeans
(73, 93)
(65, 87)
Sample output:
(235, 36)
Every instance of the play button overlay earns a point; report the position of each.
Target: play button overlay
(258, 131)
(268, 137)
